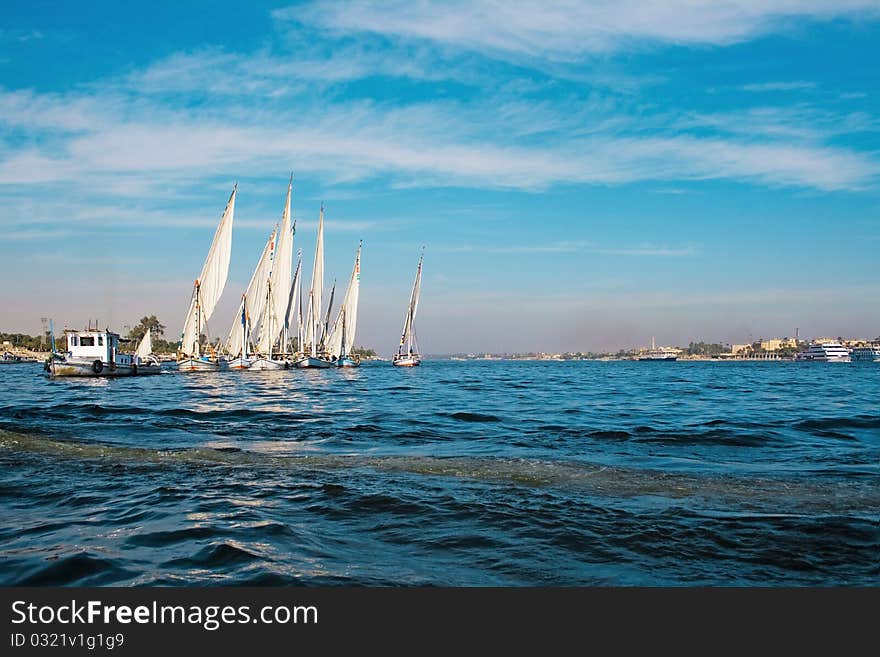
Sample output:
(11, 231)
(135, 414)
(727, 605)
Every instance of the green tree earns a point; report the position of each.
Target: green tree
(152, 323)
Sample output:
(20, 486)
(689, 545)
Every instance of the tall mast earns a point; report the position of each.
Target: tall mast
(342, 351)
(198, 349)
(269, 313)
(325, 328)
(243, 352)
(299, 324)
(291, 300)
(317, 289)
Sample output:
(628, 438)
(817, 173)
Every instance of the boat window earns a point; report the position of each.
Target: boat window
(73, 340)
(100, 340)
(87, 342)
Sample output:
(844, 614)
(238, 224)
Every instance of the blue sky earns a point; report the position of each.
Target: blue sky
(584, 174)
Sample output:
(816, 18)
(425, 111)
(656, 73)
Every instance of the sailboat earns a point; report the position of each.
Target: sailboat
(206, 292)
(341, 340)
(294, 311)
(408, 350)
(272, 324)
(145, 361)
(240, 345)
(313, 355)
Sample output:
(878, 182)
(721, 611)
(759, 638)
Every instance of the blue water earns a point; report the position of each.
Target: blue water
(455, 473)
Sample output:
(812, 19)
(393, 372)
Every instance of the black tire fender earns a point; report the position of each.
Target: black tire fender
(97, 367)
(134, 369)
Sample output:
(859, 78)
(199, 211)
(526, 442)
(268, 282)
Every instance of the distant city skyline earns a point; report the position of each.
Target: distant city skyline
(584, 175)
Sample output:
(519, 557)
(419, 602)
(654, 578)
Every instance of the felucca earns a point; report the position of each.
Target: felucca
(408, 350)
(313, 354)
(270, 344)
(191, 355)
(240, 343)
(341, 341)
(146, 360)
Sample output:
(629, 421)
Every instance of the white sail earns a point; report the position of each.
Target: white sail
(341, 340)
(209, 286)
(407, 336)
(145, 348)
(291, 317)
(274, 316)
(313, 318)
(254, 300)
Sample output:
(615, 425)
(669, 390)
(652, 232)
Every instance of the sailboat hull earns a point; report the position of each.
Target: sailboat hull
(314, 363)
(268, 364)
(151, 367)
(200, 365)
(240, 363)
(407, 361)
(347, 361)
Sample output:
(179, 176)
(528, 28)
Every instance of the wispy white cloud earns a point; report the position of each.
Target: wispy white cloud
(435, 143)
(270, 75)
(566, 29)
(650, 250)
(779, 86)
(21, 36)
(28, 234)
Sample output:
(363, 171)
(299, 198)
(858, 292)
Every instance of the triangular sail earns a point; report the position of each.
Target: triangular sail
(290, 316)
(273, 321)
(316, 292)
(325, 325)
(209, 286)
(407, 337)
(145, 348)
(252, 303)
(341, 340)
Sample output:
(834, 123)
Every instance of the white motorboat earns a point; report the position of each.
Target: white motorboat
(94, 353)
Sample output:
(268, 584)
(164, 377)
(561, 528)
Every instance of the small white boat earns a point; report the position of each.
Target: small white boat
(316, 362)
(264, 363)
(8, 358)
(93, 353)
(408, 350)
(240, 363)
(208, 362)
(191, 354)
(147, 363)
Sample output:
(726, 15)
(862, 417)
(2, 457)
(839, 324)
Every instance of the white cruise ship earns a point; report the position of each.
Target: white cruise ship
(826, 352)
(867, 354)
(661, 354)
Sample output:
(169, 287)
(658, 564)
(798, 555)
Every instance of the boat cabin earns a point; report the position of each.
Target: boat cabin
(95, 345)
